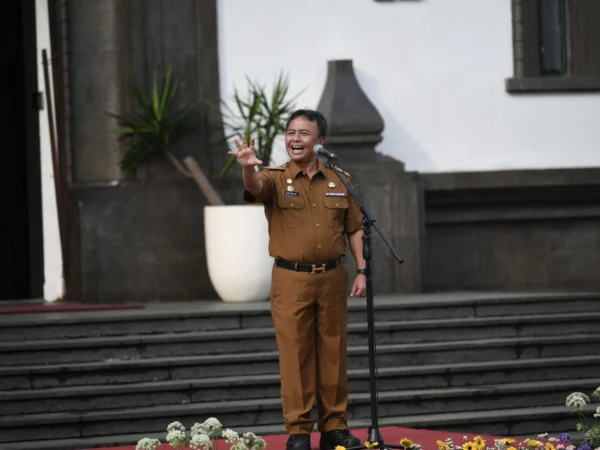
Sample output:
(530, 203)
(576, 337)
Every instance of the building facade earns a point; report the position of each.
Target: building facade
(487, 108)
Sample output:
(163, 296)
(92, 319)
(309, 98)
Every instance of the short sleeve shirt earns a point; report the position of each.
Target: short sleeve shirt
(308, 218)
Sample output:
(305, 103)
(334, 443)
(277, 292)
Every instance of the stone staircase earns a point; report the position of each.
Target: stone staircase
(493, 363)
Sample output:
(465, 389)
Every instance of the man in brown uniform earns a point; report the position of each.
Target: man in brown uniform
(310, 212)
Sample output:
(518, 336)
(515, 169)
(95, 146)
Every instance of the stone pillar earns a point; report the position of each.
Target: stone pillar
(394, 197)
(142, 239)
(98, 64)
(355, 125)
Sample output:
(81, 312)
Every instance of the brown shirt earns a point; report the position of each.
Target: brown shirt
(307, 218)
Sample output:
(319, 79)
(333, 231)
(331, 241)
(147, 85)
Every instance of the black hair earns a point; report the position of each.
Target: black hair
(312, 116)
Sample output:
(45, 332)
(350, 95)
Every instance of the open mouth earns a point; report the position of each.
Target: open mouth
(297, 148)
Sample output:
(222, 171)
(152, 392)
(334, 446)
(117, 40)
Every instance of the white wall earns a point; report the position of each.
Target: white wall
(435, 70)
(53, 276)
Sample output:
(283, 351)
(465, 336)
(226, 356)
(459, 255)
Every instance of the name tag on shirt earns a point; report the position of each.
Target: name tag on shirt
(335, 194)
(292, 193)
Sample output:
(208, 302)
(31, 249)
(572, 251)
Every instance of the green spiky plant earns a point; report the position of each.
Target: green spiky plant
(155, 127)
(260, 114)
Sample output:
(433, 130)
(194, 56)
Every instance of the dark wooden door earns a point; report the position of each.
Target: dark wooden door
(21, 264)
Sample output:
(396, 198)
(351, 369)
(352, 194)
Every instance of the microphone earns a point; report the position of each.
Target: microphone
(318, 149)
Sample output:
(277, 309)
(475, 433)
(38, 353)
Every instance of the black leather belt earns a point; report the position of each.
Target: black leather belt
(310, 268)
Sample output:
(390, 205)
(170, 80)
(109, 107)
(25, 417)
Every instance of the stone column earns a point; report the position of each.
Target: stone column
(142, 239)
(355, 125)
(98, 60)
(393, 196)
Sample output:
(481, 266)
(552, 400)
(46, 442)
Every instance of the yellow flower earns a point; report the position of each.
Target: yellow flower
(549, 446)
(479, 442)
(533, 443)
(371, 444)
(406, 442)
(512, 448)
(469, 446)
(442, 445)
(339, 447)
(508, 441)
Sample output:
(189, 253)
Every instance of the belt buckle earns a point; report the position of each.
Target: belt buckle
(320, 269)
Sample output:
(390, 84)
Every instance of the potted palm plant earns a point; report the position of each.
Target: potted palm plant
(239, 268)
(258, 114)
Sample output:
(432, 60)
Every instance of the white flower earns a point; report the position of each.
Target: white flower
(241, 445)
(596, 393)
(212, 422)
(576, 401)
(175, 437)
(231, 437)
(597, 412)
(175, 426)
(254, 442)
(147, 444)
(212, 426)
(201, 442)
(197, 429)
(543, 435)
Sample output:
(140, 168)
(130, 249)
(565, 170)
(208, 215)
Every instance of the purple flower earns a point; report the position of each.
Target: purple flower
(565, 437)
(584, 447)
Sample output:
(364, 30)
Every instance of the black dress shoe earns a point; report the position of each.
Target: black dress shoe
(331, 439)
(298, 442)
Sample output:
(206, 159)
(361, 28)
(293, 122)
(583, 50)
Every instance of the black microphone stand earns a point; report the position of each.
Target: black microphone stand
(375, 439)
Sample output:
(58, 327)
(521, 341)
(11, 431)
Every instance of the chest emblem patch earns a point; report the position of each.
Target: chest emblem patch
(334, 194)
(292, 193)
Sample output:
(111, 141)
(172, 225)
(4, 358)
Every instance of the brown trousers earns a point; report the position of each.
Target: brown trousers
(310, 314)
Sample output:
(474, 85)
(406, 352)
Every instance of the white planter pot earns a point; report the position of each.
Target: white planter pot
(237, 252)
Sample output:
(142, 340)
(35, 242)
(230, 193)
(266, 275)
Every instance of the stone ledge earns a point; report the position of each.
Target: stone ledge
(581, 83)
(250, 333)
(206, 308)
(504, 179)
(261, 379)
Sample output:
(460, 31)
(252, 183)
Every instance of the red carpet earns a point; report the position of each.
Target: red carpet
(25, 309)
(392, 435)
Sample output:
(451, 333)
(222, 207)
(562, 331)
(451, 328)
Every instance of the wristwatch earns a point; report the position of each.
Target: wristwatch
(361, 271)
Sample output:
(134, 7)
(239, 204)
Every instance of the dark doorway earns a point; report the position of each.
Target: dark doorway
(21, 249)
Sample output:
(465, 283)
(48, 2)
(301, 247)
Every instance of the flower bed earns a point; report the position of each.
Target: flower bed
(203, 436)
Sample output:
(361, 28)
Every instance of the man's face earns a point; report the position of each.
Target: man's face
(302, 135)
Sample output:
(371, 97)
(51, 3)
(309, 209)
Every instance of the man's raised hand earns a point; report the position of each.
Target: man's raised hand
(245, 154)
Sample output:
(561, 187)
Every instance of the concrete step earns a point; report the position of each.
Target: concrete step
(210, 366)
(190, 317)
(499, 422)
(170, 392)
(246, 413)
(54, 351)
